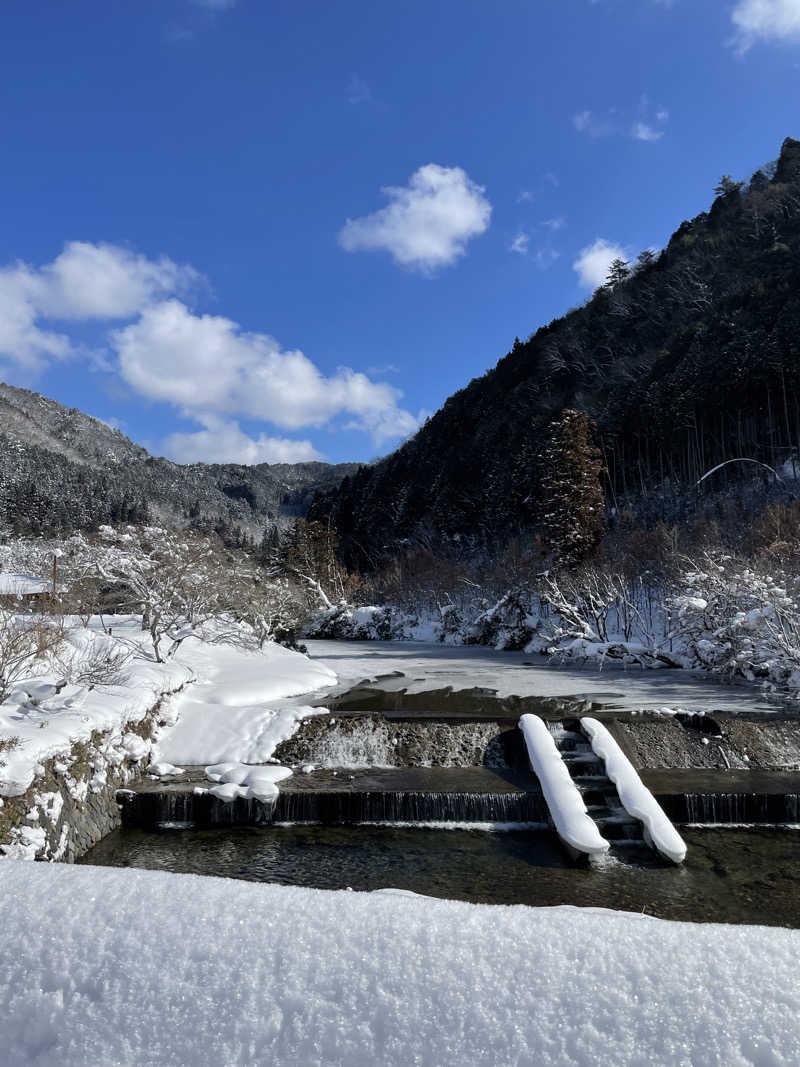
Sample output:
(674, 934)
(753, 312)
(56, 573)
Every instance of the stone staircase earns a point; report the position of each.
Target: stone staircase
(599, 793)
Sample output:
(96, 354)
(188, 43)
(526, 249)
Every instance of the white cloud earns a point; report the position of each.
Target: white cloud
(101, 281)
(224, 442)
(520, 243)
(612, 123)
(594, 125)
(358, 92)
(553, 225)
(205, 364)
(765, 20)
(427, 223)
(85, 282)
(643, 131)
(594, 260)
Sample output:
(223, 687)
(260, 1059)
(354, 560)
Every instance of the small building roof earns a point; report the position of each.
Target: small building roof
(23, 585)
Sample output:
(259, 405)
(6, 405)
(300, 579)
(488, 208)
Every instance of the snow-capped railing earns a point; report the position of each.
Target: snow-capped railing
(567, 809)
(636, 798)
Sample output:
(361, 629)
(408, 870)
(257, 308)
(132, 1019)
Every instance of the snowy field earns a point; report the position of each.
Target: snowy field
(126, 967)
(238, 707)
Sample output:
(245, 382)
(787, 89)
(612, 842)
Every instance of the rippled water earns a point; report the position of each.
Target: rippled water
(740, 876)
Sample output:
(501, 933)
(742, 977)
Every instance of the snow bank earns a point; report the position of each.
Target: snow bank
(46, 722)
(230, 714)
(139, 968)
(568, 811)
(636, 798)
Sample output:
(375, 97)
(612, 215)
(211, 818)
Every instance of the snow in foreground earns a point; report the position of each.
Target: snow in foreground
(139, 967)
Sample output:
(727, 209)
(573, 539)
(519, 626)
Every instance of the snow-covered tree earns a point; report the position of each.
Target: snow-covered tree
(571, 507)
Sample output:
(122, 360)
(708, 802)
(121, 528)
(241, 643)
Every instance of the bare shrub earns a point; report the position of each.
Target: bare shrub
(95, 664)
(25, 641)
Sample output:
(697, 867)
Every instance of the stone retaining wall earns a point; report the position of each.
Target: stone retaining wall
(72, 804)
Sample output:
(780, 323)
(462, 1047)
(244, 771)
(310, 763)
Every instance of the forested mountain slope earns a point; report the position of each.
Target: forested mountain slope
(61, 469)
(689, 359)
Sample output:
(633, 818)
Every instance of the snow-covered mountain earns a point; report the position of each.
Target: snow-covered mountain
(60, 468)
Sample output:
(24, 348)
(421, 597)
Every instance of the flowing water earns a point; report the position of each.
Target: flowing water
(730, 875)
(435, 740)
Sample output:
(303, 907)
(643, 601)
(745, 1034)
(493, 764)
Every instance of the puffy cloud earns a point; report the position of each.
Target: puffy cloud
(85, 282)
(765, 20)
(427, 223)
(206, 363)
(224, 442)
(594, 260)
(101, 281)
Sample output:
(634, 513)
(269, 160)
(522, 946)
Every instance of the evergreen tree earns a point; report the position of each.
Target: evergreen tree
(572, 507)
(618, 272)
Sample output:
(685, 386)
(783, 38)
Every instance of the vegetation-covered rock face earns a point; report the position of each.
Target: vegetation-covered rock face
(685, 360)
(61, 470)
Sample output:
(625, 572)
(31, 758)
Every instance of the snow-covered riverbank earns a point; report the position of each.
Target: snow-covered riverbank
(66, 745)
(101, 966)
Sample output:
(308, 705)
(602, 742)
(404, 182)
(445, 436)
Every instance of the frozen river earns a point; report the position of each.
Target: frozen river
(420, 667)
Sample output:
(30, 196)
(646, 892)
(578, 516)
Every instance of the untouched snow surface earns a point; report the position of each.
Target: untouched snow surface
(636, 798)
(230, 714)
(568, 811)
(101, 966)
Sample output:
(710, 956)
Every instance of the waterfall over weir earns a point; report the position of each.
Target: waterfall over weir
(332, 808)
(373, 741)
(732, 809)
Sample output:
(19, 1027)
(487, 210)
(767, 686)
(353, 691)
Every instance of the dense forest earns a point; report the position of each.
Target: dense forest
(61, 470)
(683, 360)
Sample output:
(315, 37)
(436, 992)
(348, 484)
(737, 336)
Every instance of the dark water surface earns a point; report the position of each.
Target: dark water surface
(730, 875)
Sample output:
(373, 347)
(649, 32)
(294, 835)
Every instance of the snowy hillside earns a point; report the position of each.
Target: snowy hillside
(62, 469)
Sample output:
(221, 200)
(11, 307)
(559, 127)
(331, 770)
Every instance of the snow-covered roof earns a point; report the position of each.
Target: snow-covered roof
(23, 585)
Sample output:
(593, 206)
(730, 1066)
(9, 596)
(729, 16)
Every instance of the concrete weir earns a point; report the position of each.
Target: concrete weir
(398, 795)
(464, 766)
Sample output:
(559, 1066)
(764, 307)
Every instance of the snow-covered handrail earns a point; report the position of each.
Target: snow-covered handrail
(568, 811)
(636, 798)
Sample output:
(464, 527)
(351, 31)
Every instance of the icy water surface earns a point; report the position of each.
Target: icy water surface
(734, 876)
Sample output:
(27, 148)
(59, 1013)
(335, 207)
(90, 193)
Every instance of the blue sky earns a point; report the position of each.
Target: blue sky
(264, 230)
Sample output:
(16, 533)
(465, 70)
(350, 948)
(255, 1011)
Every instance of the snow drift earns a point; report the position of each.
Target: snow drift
(147, 968)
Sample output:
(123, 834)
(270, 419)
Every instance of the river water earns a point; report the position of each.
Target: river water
(730, 875)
